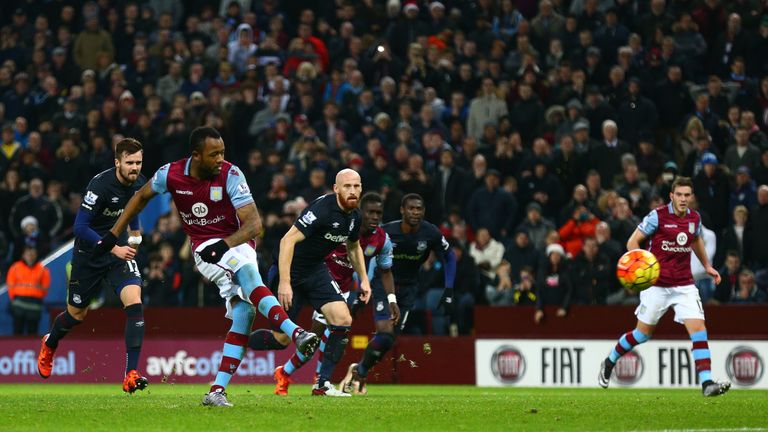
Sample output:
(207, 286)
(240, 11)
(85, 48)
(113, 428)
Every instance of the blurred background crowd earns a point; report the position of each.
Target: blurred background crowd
(538, 132)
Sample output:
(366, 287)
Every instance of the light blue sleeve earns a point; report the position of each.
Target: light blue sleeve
(237, 188)
(384, 257)
(160, 179)
(371, 270)
(650, 223)
(698, 227)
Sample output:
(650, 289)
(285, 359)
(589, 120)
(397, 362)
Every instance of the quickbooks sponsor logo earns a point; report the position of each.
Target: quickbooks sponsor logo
(24, 362)
(185, 365)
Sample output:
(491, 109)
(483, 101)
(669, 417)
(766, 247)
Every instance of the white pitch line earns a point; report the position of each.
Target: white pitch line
(744, 429)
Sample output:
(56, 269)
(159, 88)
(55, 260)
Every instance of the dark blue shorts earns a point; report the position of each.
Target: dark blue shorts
(89, 275)
(316, 288)
(406, 299)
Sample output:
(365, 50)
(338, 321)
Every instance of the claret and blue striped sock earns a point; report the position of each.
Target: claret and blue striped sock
(626, 342)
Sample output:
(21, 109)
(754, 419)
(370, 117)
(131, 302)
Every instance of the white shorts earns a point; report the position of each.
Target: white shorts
(317, 316)
(655, 301)
(223, 272)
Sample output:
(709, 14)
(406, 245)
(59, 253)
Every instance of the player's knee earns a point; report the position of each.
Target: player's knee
(130, 294)
(386, 340)
(77, 313)
(249, 277)
(242, 311)
(339, 316)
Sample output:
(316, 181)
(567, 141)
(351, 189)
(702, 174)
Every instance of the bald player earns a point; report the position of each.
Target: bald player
(301, 275)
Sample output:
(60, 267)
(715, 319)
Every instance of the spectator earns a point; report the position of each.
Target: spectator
(605, 157)
(317, 185)
(242, 47)
(747, 292)
(450, 186)
(10, 154)
(484, 109)
(92, 42)
(743, 153)
(623, 222)
(636, 190)
(466, 289)
(492, 207)
(712, 191)
(168, 85)
(760, 174)
(636, 114)
(553, 283)
(547, 24)
(729, 278)
(524, 292)
(47, 213)
(70, 166)
(737, 237)
(536, 226)
(591, 272)
(28, 283)
(744, 191)
(487, 253)
(580, 226)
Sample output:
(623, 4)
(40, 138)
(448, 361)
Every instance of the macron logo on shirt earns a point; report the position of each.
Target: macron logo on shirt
(183, 192)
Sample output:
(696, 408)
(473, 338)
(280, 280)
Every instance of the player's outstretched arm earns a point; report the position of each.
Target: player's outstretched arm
(250, 226)
(285, 258)
(701, 253)
(388, 282)
(135, 205)
(357, 259)
(636, 239)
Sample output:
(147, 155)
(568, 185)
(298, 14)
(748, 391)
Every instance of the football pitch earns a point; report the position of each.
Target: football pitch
(167, 407)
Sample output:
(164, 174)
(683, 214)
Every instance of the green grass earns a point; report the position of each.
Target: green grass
(62, 407)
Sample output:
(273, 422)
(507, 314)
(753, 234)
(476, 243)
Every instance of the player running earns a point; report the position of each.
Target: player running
(302, 275)
(105, 198)
(412, 239)
(221, 220)
(674, 231)
(375, 243)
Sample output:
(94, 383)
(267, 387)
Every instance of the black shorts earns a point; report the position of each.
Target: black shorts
(406, 299)
(88, 275)
(316, 288)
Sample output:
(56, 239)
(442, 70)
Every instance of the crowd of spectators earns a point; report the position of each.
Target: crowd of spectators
(538, 132)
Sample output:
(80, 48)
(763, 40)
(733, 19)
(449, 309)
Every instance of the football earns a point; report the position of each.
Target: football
(638, 269)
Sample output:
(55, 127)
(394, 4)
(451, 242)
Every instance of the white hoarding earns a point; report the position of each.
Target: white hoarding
(575, 363)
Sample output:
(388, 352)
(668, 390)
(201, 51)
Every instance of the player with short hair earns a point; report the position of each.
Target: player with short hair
(412, 240)
(302, 276)
(220, 218)
(674, 231)
(375, 243)
(104, 201)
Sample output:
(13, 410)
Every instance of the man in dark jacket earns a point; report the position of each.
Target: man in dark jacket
(712, 191)
(492, 207)
(590, 274)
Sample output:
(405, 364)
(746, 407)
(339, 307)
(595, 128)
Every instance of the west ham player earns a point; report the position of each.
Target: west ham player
(105, 198)
(674, 231)
(221, 220)
(301, 274)
(375, 243)
(412, 240)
